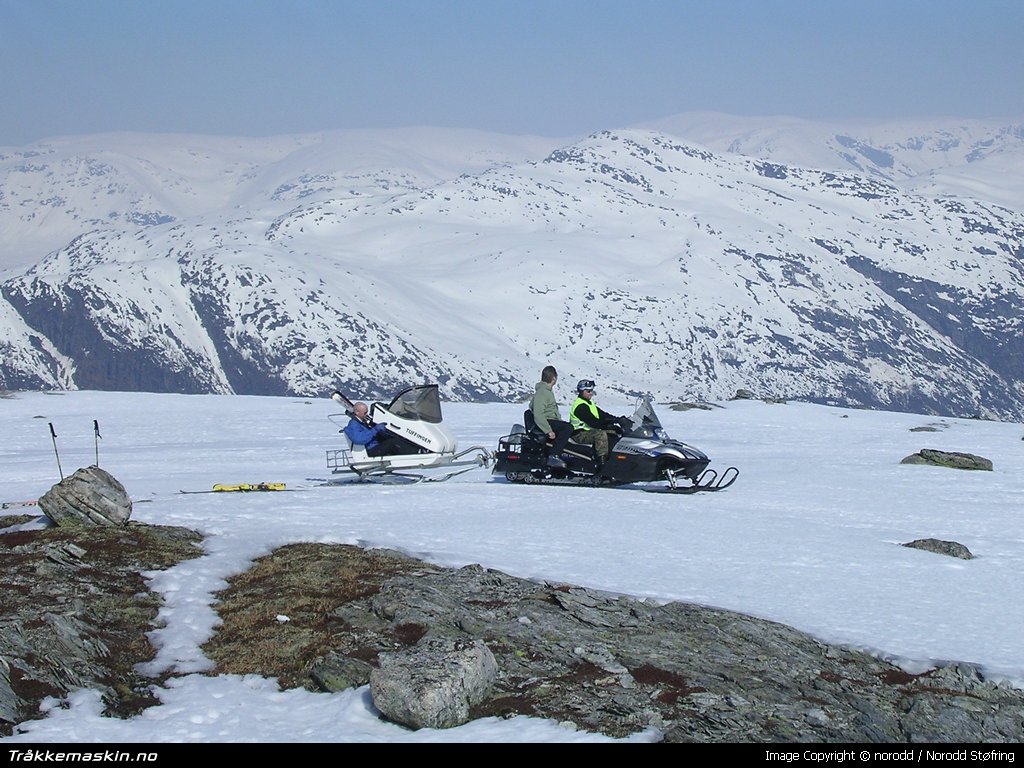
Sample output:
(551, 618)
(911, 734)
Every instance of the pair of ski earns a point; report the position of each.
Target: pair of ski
(386, 478)
(707, 482)
(242, 487)
(18, 504)
(35, 503)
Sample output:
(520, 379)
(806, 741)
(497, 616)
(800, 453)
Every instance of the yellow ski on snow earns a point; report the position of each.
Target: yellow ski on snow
(249, 487)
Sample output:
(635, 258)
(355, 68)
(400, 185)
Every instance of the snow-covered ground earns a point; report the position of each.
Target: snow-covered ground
(809, 536)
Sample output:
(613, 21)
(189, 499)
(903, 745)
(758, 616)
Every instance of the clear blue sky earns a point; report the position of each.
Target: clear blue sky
(548, 67)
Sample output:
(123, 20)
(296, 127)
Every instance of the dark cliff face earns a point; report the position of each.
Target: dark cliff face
(989, 326)
(247, 371)
(105, 358)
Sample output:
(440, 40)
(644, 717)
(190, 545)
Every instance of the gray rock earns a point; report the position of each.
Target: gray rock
(9, 700)
(335, 672)
(941, 547)
(691, 406)
(433, 684)
(90, 495)
(948, 459)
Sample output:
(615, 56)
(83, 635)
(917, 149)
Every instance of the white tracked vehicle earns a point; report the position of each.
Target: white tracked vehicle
(428, 450)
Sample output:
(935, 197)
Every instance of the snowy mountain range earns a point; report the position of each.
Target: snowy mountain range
(878, 266)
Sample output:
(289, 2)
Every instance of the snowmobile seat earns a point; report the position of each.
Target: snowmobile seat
(345, 456)
(532, 430)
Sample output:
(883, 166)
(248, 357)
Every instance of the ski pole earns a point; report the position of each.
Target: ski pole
(96, 439)
(53, 435)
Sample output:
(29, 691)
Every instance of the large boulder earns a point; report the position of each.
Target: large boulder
(435, 683)
(91, 496)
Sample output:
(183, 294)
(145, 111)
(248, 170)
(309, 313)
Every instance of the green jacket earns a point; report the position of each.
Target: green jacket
(544, 406)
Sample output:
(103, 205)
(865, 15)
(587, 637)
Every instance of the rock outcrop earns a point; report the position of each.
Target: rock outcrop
(953, 459)
(605, 663)
(942, 547)
(438, 646)
(75, 612)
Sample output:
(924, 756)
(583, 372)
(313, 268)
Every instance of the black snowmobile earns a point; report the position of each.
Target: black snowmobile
(641, 452)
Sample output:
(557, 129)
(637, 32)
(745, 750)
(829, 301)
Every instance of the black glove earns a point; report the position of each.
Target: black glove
(612, 424)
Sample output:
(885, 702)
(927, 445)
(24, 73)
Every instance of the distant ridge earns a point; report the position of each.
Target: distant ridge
(964, 157)
(651, 262)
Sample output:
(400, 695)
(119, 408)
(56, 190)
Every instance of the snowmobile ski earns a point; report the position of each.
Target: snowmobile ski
(708, 481)
(391, 477)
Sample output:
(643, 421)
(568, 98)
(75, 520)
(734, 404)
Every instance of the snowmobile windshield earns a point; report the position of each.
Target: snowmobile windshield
(645, 420)
(422, 403)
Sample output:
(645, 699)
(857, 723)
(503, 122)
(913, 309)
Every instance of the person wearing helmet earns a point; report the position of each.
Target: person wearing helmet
(548, 418)
(591, 425)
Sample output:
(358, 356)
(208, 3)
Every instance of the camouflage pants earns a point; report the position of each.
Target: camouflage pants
(595, 437)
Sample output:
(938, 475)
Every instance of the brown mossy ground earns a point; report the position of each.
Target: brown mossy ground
(277, 617)
(91, 574)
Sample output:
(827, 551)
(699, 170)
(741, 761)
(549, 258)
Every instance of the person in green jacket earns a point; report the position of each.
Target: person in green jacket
(547, 416)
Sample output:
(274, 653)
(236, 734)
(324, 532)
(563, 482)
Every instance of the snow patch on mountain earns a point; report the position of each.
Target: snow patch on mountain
(653, 263)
